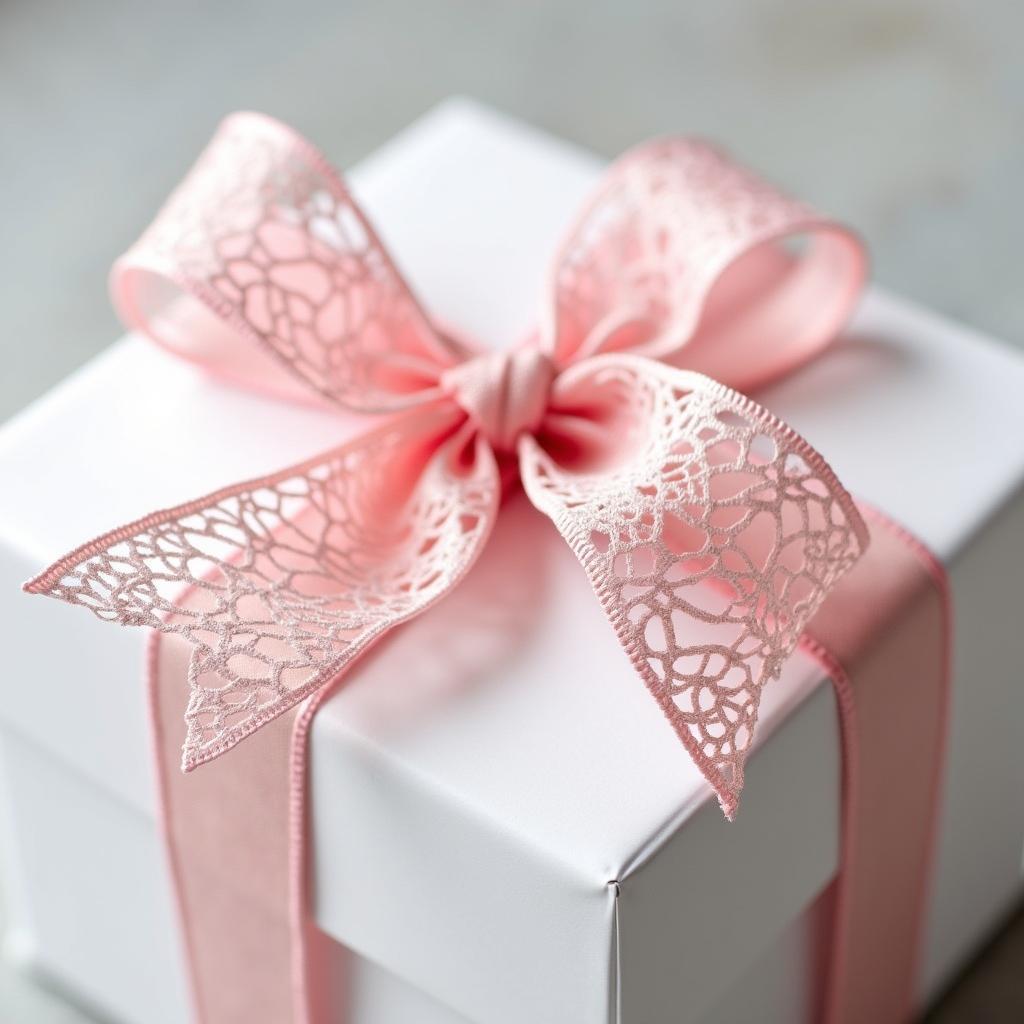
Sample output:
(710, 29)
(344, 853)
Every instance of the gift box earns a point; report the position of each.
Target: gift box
(502, 828)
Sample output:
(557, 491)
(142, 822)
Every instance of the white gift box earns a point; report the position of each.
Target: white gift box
(504, 830)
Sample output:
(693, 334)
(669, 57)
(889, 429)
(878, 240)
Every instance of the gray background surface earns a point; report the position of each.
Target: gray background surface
(904, 118)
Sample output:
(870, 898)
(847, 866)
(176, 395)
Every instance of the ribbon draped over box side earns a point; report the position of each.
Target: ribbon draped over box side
(885, 639)
(685, 501)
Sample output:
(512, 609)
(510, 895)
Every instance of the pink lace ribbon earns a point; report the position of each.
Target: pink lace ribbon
(686, 502)
(711, 532)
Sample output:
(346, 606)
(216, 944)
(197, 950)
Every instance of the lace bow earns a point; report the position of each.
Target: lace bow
(710, 531)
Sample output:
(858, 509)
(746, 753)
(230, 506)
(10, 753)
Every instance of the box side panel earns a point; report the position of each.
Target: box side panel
(75, 685)
(373, 995)
(981, 836)
(716, 895)
(93, 908)
(454, 903)
(89, 909)
(783, 985)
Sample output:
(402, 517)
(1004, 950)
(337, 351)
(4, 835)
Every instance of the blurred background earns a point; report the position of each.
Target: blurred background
(903, 118)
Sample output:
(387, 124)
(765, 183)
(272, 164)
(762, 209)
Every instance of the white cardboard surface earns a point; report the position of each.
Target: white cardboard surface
(481, 785)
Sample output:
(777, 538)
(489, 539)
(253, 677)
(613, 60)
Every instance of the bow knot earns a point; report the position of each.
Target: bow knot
(504, 394)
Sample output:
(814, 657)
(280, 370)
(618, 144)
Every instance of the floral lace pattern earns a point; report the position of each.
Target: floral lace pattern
(710, 545)
(292, 576)
(638, 269)
(709, 530)
(265, 233)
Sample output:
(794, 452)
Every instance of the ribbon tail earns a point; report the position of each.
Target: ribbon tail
(710, 531)
(884, 638)
(280, 583)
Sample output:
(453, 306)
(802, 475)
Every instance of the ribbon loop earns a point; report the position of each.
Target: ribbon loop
(261, 260)
(682, 255)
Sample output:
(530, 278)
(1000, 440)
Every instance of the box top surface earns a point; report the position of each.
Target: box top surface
(502, 741)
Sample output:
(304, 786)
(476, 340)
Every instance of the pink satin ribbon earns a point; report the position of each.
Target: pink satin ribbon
(883, 637)
(711, 531)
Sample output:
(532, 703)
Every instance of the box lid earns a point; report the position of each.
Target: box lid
(500, 815)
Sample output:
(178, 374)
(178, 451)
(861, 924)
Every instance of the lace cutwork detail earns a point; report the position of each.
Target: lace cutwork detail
(711, 544)
(637, 270)
(710, 531)
(291, 576)
(263, 231)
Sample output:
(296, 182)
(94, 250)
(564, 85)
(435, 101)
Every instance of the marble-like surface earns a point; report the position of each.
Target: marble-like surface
(905, 117)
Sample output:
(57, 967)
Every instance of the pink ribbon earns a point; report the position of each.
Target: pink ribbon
(710, 531)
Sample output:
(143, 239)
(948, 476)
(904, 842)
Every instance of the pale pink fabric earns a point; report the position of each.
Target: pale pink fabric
(236, 843)
(682, 499)
(664, 482)
(884, 638)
